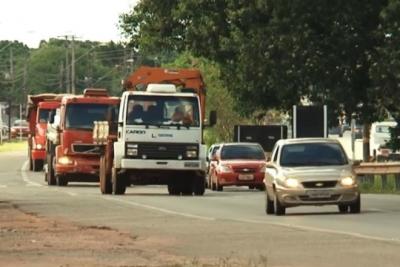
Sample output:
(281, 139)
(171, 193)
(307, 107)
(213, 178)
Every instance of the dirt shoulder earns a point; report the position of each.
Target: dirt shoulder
(30, 240)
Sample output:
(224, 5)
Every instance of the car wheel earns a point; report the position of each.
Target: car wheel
(219, 187)
(61, 180)
(279, 209)
(356, 206)
(343, 208)
(269, 205)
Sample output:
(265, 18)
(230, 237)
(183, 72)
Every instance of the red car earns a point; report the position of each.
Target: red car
(238, 164)
(19, 128)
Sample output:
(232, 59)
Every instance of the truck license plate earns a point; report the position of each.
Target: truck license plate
(319, 194)
(246, 177)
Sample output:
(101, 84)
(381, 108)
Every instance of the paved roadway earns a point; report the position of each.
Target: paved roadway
(219, 225)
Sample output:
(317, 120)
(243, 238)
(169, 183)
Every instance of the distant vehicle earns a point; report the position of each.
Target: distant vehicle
(238, 164)
(310, 171)
(379, 136)
(19, 128)
(210, 155)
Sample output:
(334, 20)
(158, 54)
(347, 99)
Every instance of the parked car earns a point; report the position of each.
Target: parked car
(210, 155)
(238, 164)
(310, 171)
(19, 128)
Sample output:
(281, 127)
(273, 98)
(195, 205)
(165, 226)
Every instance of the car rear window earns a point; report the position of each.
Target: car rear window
(251, 152)
(312, 154)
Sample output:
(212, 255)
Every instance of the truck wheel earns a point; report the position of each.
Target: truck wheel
(199, 186)
(61, 180)
(37, 165)
(118, 183)
(173, 189)
(343, 208)
(356, 206)
(30, 159)
(187, 187)
(51, 180)
(105, 178)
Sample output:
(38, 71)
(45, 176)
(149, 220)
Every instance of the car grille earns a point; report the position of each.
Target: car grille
(86, 148)
(319, 184)
(331, 198)
(164, 151)
(244, 170)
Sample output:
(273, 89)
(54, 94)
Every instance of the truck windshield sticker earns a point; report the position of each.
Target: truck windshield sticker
(163, 111)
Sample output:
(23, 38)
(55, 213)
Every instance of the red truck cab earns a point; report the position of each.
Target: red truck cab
(39, 109)
(73, 155)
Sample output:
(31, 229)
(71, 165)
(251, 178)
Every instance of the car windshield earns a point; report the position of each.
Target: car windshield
(43, 115)
(163, 110)
(312, 154)
(238, 152)
(82, 116)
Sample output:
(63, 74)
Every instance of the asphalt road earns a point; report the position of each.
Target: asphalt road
(219, 226)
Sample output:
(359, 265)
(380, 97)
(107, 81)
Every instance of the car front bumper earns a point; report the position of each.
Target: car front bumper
(317, 196)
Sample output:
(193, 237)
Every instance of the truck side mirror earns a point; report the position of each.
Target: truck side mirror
(213, 118)
(51, 117)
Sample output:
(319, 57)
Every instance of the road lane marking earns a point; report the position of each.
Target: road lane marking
(136, 204)
(321, 230)
(25, 176)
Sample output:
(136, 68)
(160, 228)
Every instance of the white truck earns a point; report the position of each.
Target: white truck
(159, 140)
(379, 137)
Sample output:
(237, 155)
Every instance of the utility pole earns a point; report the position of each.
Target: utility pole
(60, 85)
(67, 74)
(12, 91)
(73, 65)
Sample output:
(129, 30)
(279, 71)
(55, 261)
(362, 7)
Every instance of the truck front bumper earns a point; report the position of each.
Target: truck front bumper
(79, 165)
(184, 165)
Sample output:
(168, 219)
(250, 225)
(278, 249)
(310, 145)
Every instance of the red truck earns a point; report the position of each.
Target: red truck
(71, 153)
(39, 108)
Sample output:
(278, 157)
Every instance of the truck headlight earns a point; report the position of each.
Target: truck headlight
(132, 150)
(39, 146)
(347, 181)
(65, 160)
(291, 183)
(191, 153)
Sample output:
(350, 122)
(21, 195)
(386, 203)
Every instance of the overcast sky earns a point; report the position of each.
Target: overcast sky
(30, 21)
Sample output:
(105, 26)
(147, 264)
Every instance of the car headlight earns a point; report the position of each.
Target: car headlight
(225, 168)
(347, 181)
(291, 183)
(65, 160)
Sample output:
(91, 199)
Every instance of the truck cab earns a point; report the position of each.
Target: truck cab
(72, 156)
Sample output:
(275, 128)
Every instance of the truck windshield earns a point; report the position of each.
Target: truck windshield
(162, 110)
(312, 154)
(43, 115)
(82, 116)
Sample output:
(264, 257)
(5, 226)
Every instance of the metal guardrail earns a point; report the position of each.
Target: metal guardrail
(383, 176)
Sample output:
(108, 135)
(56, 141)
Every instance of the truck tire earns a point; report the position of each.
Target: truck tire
(105, 178)
(173, 189)
(61, 180)
(50, 177)
(30, 159)
(199, 186)
(118, 183)
(37, 165)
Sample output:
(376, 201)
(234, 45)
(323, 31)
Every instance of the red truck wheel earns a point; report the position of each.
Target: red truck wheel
(37, 165)
(105, 178)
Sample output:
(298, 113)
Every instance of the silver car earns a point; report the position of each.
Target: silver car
(310, 171)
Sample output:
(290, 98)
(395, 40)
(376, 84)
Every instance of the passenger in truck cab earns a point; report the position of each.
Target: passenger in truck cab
(180, 116)
(136, 114)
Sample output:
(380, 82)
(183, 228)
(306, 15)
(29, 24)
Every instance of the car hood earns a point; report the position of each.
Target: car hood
(244, 163)
(317, 172)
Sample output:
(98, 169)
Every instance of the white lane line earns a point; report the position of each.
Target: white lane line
(136, 204)
(25, 176)
(321, 230)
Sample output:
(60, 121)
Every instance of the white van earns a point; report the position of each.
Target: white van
(380, 135)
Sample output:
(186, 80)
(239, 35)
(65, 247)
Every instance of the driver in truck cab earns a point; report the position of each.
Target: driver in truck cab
(180, 116)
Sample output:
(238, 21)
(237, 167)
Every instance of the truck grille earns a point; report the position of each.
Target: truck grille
(164, 151)
(86, 148)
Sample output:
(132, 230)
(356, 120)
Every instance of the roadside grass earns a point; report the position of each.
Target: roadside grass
(16, 145)
(380, 185)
